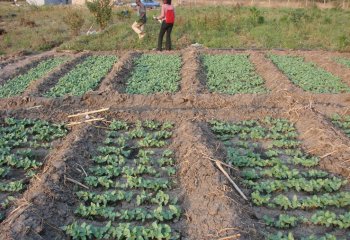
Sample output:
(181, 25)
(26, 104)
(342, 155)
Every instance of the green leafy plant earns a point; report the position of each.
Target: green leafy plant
(102, 11)
(283, 221)
(11, 186)
(18, 85)
(105, 197)
(118, 232)
(282, 177)
(299, 184)
(129, 184)
(232, 74)
(308, 76)
(118, 125)
(328, 219)
(84, 77)
(150, 141)
(19, 140)
(147, 79)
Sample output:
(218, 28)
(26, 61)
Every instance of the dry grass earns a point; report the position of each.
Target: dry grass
(33, 29)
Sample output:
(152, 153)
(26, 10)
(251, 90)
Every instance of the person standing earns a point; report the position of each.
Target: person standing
(139, 25)
(167, 17)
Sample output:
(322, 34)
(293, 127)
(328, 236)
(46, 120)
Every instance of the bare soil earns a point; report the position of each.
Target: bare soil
(212, 209)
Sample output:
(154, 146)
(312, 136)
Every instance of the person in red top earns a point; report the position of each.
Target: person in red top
(167, 17)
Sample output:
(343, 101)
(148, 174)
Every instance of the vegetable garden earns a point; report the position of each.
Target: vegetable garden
(281, 177)
(308, 76)
(130, 145)
(17, 85)
(232, 74)
(155, 73)
(131, 180)
(86, 76)
(23, 146)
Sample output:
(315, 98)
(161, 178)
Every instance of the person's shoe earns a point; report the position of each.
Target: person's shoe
(142, 35)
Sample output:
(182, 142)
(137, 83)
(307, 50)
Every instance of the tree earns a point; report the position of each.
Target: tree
(102, 11)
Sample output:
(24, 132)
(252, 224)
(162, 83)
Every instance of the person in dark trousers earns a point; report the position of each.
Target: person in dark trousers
(167, 17)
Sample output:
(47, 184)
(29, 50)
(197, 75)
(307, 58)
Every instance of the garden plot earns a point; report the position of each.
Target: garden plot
(155, 73)
(131, 186)
(84, 77)
(39, 87)
(308, 76)
(18, 84)
(116, 179)
(24, 144)
(232, 74)
(292, 197)
(10, 61)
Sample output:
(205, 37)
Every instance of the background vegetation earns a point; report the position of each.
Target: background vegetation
(42, 28)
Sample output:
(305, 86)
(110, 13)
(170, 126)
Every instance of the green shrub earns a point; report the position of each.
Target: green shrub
(102, 11)
(74, 21)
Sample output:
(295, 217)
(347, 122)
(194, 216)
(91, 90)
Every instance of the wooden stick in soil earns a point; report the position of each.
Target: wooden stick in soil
(38, 106)
(86, 121)
(90, 112)
(218, 164)
(214, 160)
(222, 163)
(76, 182)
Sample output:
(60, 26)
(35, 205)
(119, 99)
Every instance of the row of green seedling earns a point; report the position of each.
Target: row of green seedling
(21, 145)
(232, 74)
(17, 85)
(130, 183)
(285, 184)
(156, 73)
(82, 78)
(308, 76)
(228, 74)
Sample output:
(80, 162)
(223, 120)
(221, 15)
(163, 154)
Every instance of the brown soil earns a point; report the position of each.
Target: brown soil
(116, 80)
(274, 79)
(212, 209)
(191, 73)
